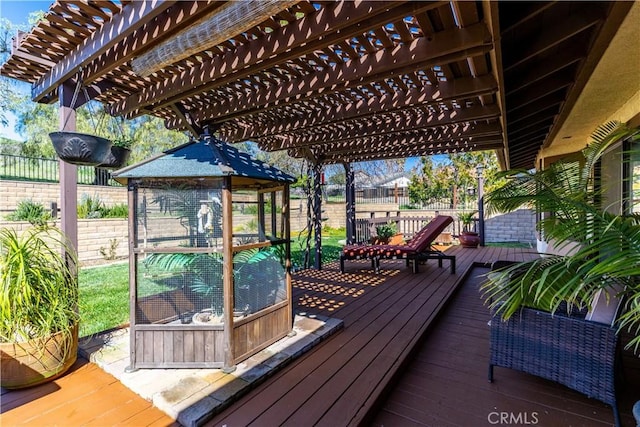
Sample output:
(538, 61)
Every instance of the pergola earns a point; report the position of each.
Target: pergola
(332, 82)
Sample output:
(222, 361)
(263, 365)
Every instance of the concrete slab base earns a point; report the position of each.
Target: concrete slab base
(193, 396)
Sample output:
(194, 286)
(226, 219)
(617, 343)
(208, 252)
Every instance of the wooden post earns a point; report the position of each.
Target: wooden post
(274, 219)
(132, 198)
(350, 195)
(480, 205)
(286, 218)
(261, 218)
(68, 172)
(227, 283)
(317, 213)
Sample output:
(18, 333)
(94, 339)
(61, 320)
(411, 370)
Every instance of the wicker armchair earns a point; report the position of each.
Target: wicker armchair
(578, 353)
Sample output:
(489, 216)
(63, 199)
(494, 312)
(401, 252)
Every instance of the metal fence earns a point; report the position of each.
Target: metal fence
(48, 170)
(400, 196)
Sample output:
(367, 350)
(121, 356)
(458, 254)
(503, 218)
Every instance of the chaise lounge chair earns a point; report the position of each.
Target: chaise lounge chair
(417, 250)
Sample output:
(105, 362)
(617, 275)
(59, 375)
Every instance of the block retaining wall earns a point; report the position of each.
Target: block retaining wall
(13, 192)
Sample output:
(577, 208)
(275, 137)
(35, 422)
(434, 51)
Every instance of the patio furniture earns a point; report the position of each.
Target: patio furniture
(419, 249)
(577, 350)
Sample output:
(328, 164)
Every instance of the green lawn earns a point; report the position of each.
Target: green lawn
(510, 245)
(104, 297)
(104, 291)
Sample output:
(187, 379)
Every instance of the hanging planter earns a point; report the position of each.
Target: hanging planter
(116, 158)
(80, 148)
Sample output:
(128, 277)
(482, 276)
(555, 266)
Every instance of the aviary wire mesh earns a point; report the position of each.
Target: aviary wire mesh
(180, 288)
(179, 215)
(259, 279)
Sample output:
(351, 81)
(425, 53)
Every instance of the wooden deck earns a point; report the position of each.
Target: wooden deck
(446, 383)
(85, 396)
(344, 380)
(385, 315)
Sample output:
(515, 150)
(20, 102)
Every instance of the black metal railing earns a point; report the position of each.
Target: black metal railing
(395, 195)
(23, 168)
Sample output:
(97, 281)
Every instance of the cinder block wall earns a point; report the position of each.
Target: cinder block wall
(13, 192)
(93, 234)
(517, 226)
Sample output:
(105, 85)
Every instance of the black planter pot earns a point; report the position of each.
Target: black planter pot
(80, 148)
(116, 158)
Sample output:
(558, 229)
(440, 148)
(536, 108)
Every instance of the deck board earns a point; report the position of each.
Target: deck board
(84, 396)
(446, 380)
(339, 382)
(394, 363)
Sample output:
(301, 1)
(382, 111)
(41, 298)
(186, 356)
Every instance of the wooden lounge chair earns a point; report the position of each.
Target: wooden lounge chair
(417, 250)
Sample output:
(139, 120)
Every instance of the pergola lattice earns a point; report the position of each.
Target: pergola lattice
(332, 81)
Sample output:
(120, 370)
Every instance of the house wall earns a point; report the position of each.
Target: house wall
(611, 179)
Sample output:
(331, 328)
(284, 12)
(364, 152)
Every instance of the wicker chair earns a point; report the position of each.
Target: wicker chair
(578, 353)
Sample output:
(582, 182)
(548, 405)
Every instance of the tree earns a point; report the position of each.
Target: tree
(451, 178)
(9, 93)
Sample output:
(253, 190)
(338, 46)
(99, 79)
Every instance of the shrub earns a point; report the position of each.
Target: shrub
(28, 210)
(119, 210)
(386, 230)
(93, 207)
(90, 207)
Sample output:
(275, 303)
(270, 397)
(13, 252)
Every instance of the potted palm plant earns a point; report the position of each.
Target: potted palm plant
(468, 238)
(605, 246)
(38, 306)
(385, 232)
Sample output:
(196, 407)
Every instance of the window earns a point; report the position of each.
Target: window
(632, 177)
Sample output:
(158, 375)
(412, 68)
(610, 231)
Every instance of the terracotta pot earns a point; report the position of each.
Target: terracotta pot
(34, 362)
(116, 158)
(80, 148)
(469, 239)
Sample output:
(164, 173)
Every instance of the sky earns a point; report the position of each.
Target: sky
(17, 11)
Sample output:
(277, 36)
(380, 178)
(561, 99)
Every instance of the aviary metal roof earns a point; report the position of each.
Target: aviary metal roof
(335, 81)
(203, 159)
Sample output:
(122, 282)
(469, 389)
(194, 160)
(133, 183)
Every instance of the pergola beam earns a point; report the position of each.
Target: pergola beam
(409, 152)
(332, 24)
(444, 47)
(133, 16)
(439, 138)
(228, 21)
(181, 14)
(427, 94)
(422, 122)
